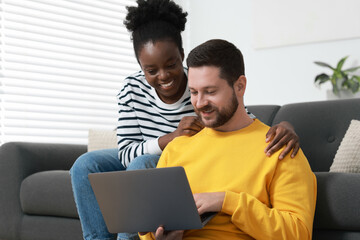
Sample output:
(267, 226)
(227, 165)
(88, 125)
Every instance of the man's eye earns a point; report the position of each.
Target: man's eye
(193, 93)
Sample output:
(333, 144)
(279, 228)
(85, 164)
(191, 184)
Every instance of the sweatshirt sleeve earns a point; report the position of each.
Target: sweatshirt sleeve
(292, 194)
(130, 138)
(148, 236)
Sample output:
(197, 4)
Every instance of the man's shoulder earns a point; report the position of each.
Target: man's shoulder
(257, 130)
(185, 141)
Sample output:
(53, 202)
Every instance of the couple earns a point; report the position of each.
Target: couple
(155, 107)
(256, 197)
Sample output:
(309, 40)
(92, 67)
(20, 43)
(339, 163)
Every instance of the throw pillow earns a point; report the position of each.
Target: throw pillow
(101, 139)
(347, 158)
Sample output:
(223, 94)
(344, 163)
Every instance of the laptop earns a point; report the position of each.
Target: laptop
(142, 200)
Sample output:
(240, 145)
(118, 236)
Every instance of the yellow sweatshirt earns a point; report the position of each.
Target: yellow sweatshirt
(265, 198)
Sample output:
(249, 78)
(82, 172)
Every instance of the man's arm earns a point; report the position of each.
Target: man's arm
(292, 194)
(282, 134)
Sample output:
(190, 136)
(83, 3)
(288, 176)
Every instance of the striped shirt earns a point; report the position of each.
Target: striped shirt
(144, 117)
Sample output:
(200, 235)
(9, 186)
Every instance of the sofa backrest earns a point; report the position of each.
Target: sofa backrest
(265, 113)
(321, 126)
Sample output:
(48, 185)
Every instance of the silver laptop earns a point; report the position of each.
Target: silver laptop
(142, 200)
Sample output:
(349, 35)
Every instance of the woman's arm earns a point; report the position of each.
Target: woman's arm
(130, 140)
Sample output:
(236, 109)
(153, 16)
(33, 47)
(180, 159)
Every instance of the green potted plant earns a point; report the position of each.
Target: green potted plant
(341, 80)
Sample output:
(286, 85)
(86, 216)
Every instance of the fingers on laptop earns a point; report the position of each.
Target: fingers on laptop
(161, 234)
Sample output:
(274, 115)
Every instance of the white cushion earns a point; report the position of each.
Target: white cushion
(101, 139)
(347, 158)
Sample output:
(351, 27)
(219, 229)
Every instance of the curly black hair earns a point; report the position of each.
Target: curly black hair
(154, 20)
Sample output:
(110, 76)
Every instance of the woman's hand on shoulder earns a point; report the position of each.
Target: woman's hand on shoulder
(188, 126)
(282, 134)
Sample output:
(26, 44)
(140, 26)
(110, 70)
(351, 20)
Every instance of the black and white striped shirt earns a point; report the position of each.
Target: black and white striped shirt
(144, 117)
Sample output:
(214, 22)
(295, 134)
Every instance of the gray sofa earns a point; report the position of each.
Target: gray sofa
(36, 201)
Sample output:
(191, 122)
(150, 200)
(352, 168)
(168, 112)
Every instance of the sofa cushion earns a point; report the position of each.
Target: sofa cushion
(347, 158)
(337, 205)
(101, 139)
(48, 193)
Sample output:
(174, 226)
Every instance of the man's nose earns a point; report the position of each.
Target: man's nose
(201, 101)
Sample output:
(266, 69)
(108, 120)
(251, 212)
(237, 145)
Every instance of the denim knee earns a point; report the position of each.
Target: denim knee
(144, 162)
(83, 165)
(96, 161)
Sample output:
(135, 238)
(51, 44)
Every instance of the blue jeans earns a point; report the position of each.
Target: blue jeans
(92, 222)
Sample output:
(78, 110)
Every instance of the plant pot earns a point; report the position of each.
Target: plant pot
(343, 94)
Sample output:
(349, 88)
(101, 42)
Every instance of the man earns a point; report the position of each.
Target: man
(256, 198)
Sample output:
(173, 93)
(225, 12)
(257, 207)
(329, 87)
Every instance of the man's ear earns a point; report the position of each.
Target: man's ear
(240, 85)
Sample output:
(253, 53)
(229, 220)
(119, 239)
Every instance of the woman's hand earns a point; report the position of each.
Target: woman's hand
(280, 135)
(189, 125)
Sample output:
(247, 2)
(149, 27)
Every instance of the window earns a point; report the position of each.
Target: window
(62, 65)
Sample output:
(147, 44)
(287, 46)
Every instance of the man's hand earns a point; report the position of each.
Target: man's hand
(209, 202)
(161, 234)
(280, 135)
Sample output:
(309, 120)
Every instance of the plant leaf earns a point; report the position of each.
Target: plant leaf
(324, 65)
(335, 90)
(341, 63)
(334, 85)
(353, 69)
(344, 78)
(353, 84)
(321, 78)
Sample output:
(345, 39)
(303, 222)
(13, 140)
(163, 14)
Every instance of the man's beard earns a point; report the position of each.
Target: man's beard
(222, 116)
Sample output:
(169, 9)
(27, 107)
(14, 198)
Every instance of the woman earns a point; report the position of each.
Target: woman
(154, 108)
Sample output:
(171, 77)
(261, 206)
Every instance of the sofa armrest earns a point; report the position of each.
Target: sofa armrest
(18, 160)
(338, 204)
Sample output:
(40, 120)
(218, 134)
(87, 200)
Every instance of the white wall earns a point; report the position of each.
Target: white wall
(276, 75)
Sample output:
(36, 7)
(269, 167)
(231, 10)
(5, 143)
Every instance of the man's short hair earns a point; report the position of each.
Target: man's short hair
(219, 53)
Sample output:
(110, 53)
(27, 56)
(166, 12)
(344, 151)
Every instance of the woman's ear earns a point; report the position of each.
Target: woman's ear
(182, 54)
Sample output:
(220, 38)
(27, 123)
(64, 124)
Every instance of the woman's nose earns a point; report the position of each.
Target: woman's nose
(163, 74)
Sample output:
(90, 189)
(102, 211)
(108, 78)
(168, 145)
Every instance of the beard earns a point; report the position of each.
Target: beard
(221, 116)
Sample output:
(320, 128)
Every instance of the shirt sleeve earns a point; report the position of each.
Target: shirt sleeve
(131, 142)
(148, 236)
(292, 194)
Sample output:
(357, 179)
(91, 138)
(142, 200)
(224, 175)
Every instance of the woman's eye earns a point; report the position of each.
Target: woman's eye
(172, 65)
